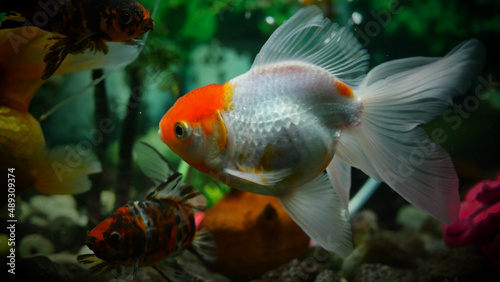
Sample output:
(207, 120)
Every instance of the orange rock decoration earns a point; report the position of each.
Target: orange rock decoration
(253, 234)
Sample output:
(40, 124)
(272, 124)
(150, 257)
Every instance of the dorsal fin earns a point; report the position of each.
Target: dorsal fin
(174, 189)
(308, 37)
(169, 188)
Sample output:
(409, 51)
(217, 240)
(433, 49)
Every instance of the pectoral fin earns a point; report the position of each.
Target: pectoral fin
(264, 178)
(94, 264)
(63, 46)
(133, 42)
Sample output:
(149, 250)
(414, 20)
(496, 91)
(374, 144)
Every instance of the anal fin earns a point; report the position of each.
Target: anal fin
(320, 212)
(339, 174)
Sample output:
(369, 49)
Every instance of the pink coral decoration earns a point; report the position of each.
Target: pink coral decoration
(198, 217)
(479, 220)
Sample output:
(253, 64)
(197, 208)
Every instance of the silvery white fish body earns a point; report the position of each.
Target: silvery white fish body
(277, 110)
(306, 106)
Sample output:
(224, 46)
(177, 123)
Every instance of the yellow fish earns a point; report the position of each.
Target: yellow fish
(22, 144)
(22, 147)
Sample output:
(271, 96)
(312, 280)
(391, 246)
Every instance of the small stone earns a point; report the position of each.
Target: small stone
(410, 216)
(43, 269)
(383, 273)
(327, 276)
(305, 271)
(387, 249)
(459, 264)
(324, 258)
(54, 206)
(364, 226)
(35, 245)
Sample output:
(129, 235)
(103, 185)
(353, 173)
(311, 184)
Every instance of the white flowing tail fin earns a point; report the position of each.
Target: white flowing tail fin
(389, 145)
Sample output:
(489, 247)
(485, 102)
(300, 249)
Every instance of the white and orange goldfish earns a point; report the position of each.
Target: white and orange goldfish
(306, 106)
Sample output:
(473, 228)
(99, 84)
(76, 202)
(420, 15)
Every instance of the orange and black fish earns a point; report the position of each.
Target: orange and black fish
(78, 25)
(144, 232)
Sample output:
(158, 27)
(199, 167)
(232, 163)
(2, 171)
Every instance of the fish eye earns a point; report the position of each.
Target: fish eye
(125, 17)
(182, 130)
(114, 239)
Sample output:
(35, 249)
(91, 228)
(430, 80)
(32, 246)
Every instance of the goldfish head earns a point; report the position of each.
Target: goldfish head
(194, 129)
(118, 238)
(125, 20)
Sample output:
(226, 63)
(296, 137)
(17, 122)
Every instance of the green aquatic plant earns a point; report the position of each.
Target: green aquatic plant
(449, 21)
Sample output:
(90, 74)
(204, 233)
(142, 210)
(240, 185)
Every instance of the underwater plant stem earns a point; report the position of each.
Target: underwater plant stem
(74, 95)
(128, 133)
(101, 106)
(184, 170)
(101, 113)
(363, 195)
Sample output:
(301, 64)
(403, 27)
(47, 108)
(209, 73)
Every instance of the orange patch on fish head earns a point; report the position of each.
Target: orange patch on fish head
(124, 22)
(119, 238)
(194, 129)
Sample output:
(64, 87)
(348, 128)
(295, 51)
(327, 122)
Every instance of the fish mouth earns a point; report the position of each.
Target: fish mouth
(147, 25)
(98, 252)
(91, 242)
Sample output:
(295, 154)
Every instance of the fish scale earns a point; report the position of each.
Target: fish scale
(161, 231)
(284, 122)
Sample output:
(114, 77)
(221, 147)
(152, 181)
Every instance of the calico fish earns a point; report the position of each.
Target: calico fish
(78, 25)
(142, 233)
